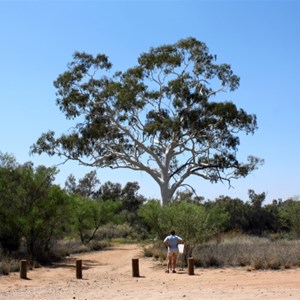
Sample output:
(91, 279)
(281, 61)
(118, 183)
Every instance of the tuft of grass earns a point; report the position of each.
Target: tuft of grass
(155, 250)
(8, 265)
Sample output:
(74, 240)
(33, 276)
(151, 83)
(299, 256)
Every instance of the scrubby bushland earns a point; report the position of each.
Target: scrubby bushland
(251, 251)
(264, 235)
(192, 221)
(254, 253)
(97, 204)
(90, 215)
(35, 213)
(33, 210)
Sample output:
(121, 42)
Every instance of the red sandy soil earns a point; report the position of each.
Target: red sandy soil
(108, 275)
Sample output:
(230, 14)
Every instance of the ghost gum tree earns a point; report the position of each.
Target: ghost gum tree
(160, 116)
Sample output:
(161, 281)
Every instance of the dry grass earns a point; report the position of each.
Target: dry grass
(8, 265)
(156, 250)
(257, 253)
(240, 251)
(60, 250)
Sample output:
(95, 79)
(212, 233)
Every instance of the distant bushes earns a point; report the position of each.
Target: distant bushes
(116, 231)
(35, 213)
(253, 253)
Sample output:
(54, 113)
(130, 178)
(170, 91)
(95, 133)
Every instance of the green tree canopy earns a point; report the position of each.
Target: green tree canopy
(160, 116)
(32, 208)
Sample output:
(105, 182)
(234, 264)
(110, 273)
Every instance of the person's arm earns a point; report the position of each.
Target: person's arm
(165, 242)
(180, 241)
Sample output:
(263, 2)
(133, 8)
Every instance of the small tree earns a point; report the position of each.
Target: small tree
(260, 218)
(289, 214)
(152, 215)
(47, 219)
(239, 213)
(159, 117)
(10, 229)
(191, 221)
(31, 207)
(196, 224)
(91, 214)
(88, 186)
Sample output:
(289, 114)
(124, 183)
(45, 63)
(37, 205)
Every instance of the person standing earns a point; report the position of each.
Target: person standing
(171, 242)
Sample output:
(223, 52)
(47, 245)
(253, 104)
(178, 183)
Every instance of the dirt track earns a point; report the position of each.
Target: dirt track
(108, 275)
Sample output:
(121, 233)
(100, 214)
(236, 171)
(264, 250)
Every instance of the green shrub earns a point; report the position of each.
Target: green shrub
(193, 222)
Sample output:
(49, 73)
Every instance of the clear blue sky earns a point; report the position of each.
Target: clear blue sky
(260, 39)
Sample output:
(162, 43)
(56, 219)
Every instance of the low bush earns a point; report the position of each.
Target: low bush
(113, 231)
(156, 250)
(8, 265)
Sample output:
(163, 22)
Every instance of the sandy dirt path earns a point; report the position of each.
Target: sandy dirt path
(108, 275)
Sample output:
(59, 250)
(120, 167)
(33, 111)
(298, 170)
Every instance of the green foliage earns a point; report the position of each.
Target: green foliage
(31, 207)
(153, 216)
(160, 116)
(89, 187)
(289, 215)
(86, 186)
(191, 221)
(248, 217)
(35, 213)
(236, 210)
(256, 199)
(47, 219)
(10, 229)
(38, 212)
(91, 214)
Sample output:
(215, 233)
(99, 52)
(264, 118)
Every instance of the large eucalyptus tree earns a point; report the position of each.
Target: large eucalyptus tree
(161, 116)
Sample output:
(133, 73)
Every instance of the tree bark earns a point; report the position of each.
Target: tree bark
(165, 194)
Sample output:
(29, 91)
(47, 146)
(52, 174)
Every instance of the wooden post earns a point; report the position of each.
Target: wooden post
(79, 269)
(135, 267)
(191, 266)
(23, 269)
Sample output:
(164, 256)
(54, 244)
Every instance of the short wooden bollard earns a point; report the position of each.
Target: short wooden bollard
(191, 266)
(79, 269)
(135, 267)
(23, 269)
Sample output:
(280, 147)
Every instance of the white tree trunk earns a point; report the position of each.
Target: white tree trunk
(165, 192)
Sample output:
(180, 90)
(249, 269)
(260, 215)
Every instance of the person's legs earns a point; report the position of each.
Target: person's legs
(174, 260)
(169, 262)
